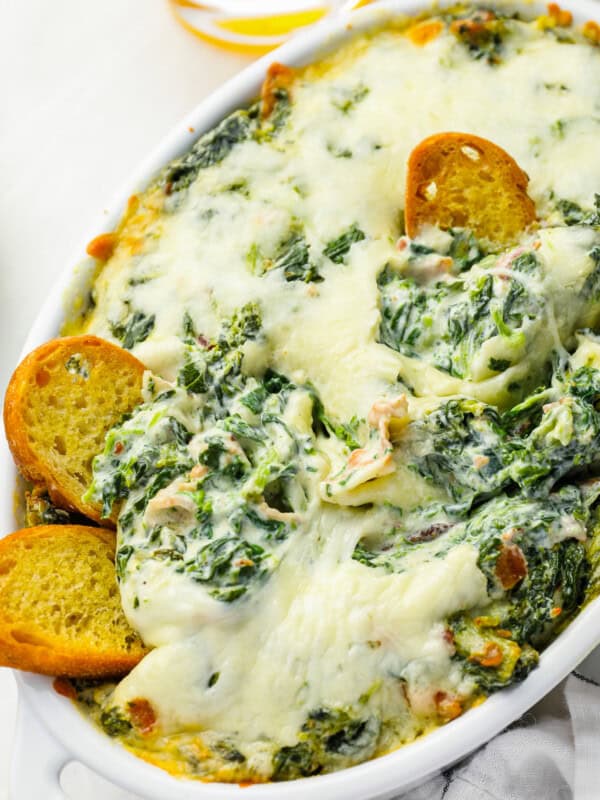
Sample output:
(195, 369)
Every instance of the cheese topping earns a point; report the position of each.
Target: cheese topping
(345, 517)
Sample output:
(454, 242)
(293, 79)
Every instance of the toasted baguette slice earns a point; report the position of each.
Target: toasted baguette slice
(60, 610)
(60, 402)
(457, 180)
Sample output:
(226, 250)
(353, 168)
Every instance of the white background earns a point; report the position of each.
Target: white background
(87, 89)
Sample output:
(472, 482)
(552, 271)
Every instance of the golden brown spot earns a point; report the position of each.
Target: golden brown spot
(425, 32)
(490, 656)
(279, 76)
(103, 246)
(64, 687)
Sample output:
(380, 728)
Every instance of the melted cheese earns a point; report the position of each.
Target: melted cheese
(325, 629)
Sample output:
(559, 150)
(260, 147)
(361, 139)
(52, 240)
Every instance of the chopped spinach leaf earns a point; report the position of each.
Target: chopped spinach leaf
(135, 329)
(574, 214)
(293, 258)
(329, 734)
(114, 723)
(210, 149)
(227, 565)
(349, 98)
(482, 33)
(338, 249)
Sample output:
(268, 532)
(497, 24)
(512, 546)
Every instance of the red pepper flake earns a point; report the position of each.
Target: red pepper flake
(556, 612)
(119, 447)
(142, 714)
(64, 687)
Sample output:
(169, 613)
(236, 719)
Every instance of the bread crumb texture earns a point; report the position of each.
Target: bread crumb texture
(60, 402)
(458, 180)
(60, 609)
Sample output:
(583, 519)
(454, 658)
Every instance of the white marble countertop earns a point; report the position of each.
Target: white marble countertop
(87, 90)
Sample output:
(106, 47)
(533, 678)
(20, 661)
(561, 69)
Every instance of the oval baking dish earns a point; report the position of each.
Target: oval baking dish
(387, 775)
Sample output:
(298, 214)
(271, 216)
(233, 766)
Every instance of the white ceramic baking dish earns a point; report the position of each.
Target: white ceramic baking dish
(66, 735)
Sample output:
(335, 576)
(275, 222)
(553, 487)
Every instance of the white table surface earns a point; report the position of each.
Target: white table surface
(87, 89)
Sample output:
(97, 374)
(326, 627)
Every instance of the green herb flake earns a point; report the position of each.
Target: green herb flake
(338, 249)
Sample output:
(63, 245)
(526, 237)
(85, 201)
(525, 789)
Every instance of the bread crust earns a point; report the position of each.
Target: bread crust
(29, 639)
(493, 202)
(43, 388)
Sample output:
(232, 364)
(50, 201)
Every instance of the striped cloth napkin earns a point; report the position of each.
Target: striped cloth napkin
(552, 753)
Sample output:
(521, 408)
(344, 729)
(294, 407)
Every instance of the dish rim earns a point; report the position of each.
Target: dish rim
(411, 764)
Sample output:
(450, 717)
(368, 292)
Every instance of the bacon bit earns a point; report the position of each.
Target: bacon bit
(274, 513)
(511, 566)
(103, 246)
(171, 497)
(556, 612)
(505, 261)
(361, 458)
(448, 707)
(490, 656)
(142, 715)
(425, 32)
(402, 243)
(448, 636)
(430, 533)
(64, 687)
(382, 412)
(480, 461)
(279, 76)
(472, 26)
(198, 471)
(243, 562)
(562, 18)
(591, 31)
(202, 340)
(118, 448)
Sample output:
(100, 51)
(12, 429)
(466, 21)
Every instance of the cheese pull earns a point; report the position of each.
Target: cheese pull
(458, 180)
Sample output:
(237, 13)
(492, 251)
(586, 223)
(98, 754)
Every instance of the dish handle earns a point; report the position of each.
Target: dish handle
(38, 760)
